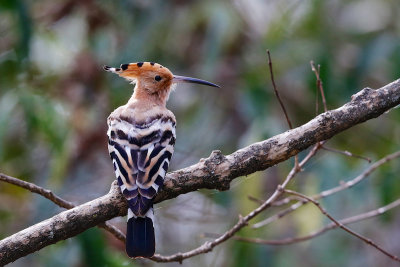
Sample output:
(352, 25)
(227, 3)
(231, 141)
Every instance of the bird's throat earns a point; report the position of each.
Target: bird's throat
(144, 96)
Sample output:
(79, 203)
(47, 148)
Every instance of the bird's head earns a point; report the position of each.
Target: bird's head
(152, 80)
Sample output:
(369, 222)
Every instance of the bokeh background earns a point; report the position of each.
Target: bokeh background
(55, 98)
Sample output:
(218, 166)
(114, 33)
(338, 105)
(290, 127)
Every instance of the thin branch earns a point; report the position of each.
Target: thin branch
(242, 222)
(317, 96)
(37, 190)
(276, 203)
(319, 84)
(296, 158)
(118, 234)
(360, 177)
(256, 200)
(56, 200)
(328, 192)
(339, 224)
(276, 90)
(332, 225)
(215, 172)
(347, 153)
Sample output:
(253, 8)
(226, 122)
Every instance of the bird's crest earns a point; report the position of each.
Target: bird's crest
(134, 67)
(133, 71)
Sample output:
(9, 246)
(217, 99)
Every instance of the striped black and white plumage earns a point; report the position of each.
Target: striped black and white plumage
(140, 153)
(141, 139)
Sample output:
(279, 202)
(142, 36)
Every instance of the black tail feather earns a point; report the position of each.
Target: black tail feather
(140, 240)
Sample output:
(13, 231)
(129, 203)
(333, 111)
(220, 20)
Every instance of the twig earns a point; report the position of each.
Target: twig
(256, 200)
(295, 170)
(332, 225)
(285, 201)
(339, 224)
(319, 84)
(276, 203)
(38, 190)
(347, 153)
(296, 158)
(360, 177)
(317, 95)
(276, 90)
(328, 192)
(56, 200)
(118, 234)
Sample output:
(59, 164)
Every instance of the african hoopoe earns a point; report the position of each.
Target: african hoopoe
(141, 138)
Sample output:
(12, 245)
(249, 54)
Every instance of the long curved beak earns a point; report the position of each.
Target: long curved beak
(183, 79)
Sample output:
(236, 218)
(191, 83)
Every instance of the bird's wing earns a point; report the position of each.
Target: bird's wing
(141, 155)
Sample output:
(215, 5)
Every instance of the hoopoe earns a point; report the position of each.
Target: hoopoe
(141, 139)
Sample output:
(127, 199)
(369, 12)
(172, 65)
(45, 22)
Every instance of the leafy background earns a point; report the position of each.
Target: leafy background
(55, 98)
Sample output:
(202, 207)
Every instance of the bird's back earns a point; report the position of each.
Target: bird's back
(141, 143)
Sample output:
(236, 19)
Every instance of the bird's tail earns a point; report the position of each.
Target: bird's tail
(140, 240)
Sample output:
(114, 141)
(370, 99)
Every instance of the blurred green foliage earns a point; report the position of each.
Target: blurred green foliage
(55, 98)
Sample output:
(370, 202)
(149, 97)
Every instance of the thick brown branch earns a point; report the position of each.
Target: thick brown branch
(62, 226)
(215, 172)
(57, 200)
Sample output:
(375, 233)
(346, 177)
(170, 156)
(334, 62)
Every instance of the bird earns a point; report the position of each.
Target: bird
(141, 138)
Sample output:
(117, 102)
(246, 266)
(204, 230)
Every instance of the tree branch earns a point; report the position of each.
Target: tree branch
(341, 225)
(38, 190)
(271, 72)
(327, 192)
(215, 172)
(57, 200)
(330, 226)
(319, 86)
(346, 153)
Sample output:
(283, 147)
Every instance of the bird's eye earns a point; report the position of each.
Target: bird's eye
(157, 78)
